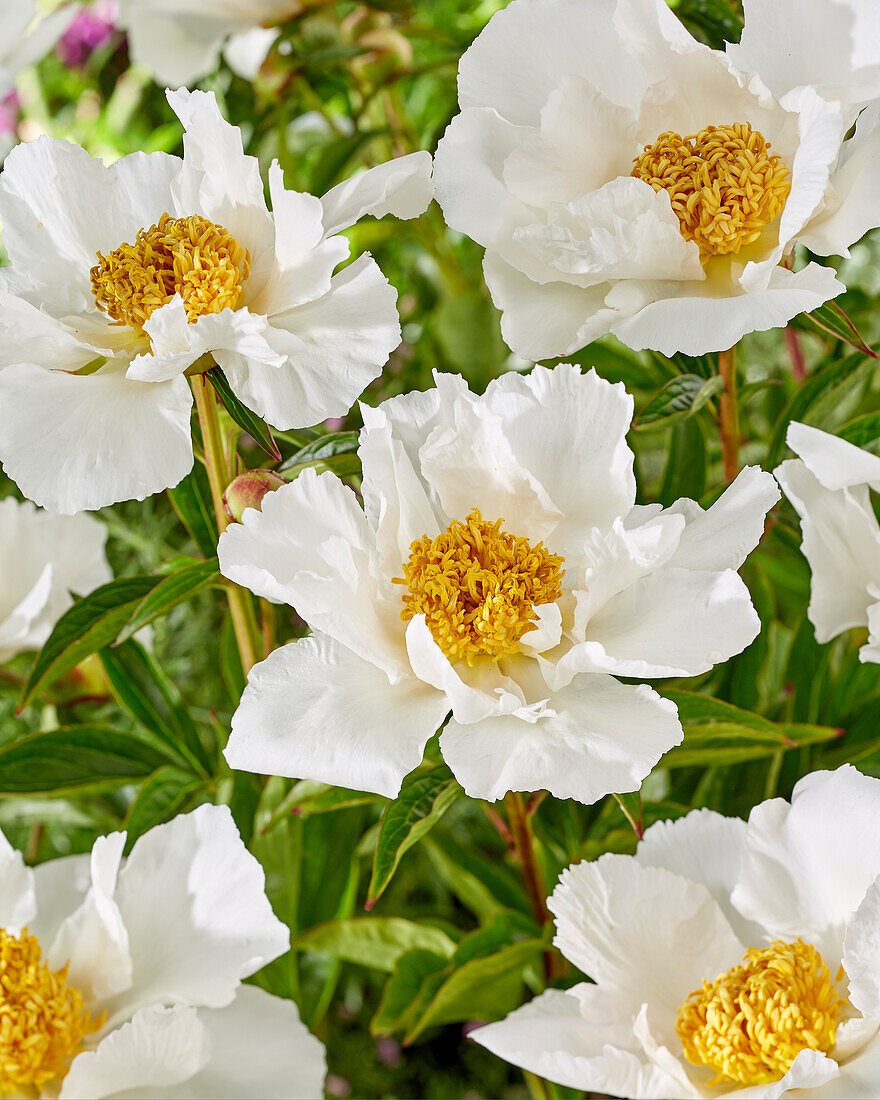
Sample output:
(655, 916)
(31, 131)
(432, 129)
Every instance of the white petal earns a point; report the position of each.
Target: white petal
(841, 540)
(311, 547)
(175, 50)
(648, 934)
(599, 737)
(705, 847)
(551, 1037)
(18, 901)
(835, 463)
(870, 651)
(807, 866)
(861, 954)
(330, 348)
(77, 443)
(569, 429)
(61, 887)
(245, 53)
(159, 1047)
(550, 320)
(314, 710)
(193, 900)
(401, 187)
(259, 1050)
(531, 45)
(852, 206)
(722, 536)
(696, 324)
(93, 939)
(858, 1079)
(806, 1074)
(675, 622)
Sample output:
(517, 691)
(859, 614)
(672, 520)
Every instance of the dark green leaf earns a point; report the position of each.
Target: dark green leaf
(423, 799)
(864, 431)
(172, 590)
(244, 417)
(191, 499)
(679, 398)
(77, 757)
(92, 623)
(319, 450)
(246, 791)
(685, 471)
(377, 942)
(168, 792)
(831, 318)
(401, 995)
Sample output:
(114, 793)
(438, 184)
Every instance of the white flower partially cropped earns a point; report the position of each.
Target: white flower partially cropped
(830, 486)
(26, 36)
(624, 178)
(499, 570)
(43, 559)
(124, 276)
(729, 959)
(124, 976)
(180, 41)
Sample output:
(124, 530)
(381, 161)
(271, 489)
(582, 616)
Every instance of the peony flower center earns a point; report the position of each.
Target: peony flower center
(724, 184)
(750, 1024)
(42, 1019)
(478, 587)
(192, 257)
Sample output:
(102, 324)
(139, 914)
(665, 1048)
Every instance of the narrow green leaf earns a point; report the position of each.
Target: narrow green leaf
(864, 431)
(831, 318)
(678, 399)
(694, 708)
(172, 590)
(166, 793)
(685, 472)
(322, 448)
(403, 990)
(151, 698)
(423, 799)
(191, 499)
(245, 418)
(631, 805)
(377, 942)
(246, 791)
(74, 758)
(92, 623)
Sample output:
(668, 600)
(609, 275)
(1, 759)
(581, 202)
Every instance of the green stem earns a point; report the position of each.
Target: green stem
(244, 621)
(524, 847)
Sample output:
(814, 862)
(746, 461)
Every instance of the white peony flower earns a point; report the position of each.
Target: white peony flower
(43, 559)
(180, 41)
(124, 975)
(123, 276)
(729, 959)
(26, 36)
(623, 178)
(499, 570)
(829, 485)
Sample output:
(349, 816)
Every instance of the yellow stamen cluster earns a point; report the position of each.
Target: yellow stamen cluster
(750, 1024)
(724, 185)
(478, 587)
(192, 257)
(42, 1019)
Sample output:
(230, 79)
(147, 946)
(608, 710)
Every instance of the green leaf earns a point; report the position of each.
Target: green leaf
(322, 449)
(864, 431)
(423, 799)
(715, 22)
(255, 426)
(402, 993)
(74, 758)
(631, 805)
(92, 623)
(166, 793)
(152, 699)
(246, 791)
(172, 590)
(678, 399)
(831, 318)
(685, 471)
(468, 331)
(377, 942)
(191, 499)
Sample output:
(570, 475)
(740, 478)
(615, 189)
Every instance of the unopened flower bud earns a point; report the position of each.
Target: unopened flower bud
(248, 490)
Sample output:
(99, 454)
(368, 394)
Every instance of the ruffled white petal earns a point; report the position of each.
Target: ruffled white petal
(841, 541)
(861, 954)
(807, 866)
(401, 187)
(597, 737)
(194, 905)
(18, 903)
(314, 709)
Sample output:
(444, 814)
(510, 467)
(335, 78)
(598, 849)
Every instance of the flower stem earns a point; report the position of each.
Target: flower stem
(244, 621)
(798, 368)
(524, 848)
(729, 415)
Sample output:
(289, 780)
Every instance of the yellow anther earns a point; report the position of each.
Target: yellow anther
(43, 1020)
(750, 1024)
(724, 185)
(192, 257)
(478, 587)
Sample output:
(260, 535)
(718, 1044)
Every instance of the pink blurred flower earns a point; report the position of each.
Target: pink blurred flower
(10, 104)
(91, 28)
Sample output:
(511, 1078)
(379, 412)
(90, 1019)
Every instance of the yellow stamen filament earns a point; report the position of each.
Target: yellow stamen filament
(750, 1024)
(192, 257)
(43, 1020)
(724, 185)
(478, 587)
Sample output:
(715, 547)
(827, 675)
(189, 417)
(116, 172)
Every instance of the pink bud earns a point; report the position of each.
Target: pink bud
(248, 490)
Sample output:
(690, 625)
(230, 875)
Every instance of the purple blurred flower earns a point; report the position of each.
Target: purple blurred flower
(91, 28)
(10, 105)
(334, 423)
(389, 1052)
